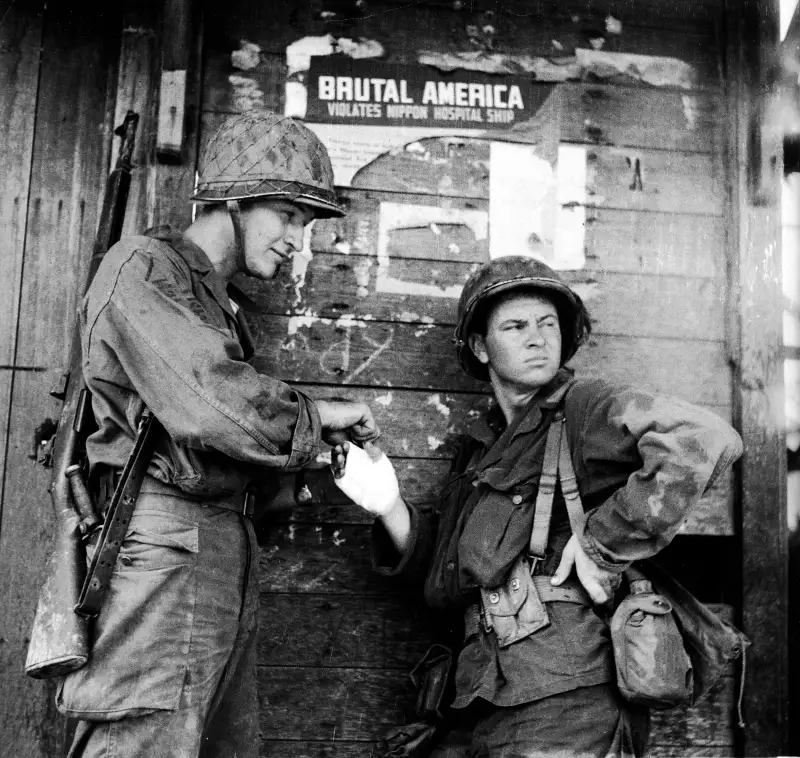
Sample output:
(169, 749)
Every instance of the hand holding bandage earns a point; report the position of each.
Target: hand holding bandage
(366, 476)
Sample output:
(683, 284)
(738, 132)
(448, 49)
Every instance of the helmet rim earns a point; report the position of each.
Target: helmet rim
(261, 154)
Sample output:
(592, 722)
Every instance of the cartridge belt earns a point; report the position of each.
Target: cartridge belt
(242, 503)
(571, 591)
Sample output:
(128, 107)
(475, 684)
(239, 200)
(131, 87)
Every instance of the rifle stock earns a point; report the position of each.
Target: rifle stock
(59, 637)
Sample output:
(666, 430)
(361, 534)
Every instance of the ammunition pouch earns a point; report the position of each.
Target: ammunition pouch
(514, 610)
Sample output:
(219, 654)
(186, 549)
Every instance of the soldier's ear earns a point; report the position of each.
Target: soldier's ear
(478, 346)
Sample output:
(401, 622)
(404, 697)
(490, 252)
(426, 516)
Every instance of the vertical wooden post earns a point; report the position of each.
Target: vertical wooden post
(175, 51)
(755, 161)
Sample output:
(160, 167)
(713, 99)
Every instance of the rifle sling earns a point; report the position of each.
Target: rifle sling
(118, 517)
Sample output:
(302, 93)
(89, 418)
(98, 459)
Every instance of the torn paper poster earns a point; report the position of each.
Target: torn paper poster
(247, 57)
(295, 102)
(535, 210)
(353, 148)
(613, 25)
(245, 93)
(521, 202)
(400, 217)
(430, 225)
(360, 48)
(570, 236)
(542, 69)
(650, 69)
(298, 54)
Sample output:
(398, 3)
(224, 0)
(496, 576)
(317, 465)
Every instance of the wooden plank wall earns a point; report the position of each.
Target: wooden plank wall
(337, 642)
(55, 66)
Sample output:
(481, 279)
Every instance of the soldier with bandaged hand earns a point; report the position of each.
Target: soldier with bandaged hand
(642, 462)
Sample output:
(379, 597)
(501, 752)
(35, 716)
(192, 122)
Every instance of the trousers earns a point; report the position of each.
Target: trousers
(172, 671)
(587, 722)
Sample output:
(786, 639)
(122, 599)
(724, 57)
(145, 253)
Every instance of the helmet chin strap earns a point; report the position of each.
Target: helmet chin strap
(235, 212)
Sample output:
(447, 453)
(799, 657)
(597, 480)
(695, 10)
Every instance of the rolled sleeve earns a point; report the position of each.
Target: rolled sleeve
(413, 563)
(192, 373)
(683, 450)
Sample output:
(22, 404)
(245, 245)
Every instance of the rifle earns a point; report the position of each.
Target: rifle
(59, 640)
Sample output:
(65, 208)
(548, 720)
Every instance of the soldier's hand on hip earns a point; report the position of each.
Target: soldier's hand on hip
(345, 420)
(598, 582)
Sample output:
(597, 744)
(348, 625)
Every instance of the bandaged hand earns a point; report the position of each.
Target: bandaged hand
(366, 476)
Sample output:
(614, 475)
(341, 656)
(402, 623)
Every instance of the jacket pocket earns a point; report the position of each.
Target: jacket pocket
(140, 641)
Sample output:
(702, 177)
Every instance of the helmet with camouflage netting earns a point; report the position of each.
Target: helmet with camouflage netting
(260, 154)
(516, 272)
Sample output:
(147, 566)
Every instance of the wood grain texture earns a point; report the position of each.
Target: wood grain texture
(616, 240)
(639, 117)
(20, 43)
(6, 381)
(137, 90)
(406, 31)
(656, 243)
(361, 705)
(626, 178)
(174, 182)
(68, 173)
(271, 748)
(667, 181)
(388, 631)
(333, 631)
(421, 356)
(631, 305)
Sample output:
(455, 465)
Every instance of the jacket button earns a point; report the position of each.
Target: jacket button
(515, 583)
(517, 499)
(494, 597)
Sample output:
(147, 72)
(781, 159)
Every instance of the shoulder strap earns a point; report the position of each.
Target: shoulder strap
(569, 484)
(117, 518)
(547, 488)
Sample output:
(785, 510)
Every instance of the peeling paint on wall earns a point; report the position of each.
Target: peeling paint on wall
(434, 443)
(399, 216)
(657, 71)
(436, 402)
(613, 25)
(298, 60)
(246, 94)
(300, 261)
(298, 54)
(247, 57)
(691, 110)
(361, 271)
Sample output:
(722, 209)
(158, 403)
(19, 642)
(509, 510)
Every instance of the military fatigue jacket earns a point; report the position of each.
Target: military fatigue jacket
(642, 463)
(159, 329)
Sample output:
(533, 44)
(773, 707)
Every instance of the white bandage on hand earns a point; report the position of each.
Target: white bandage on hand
(370, 484)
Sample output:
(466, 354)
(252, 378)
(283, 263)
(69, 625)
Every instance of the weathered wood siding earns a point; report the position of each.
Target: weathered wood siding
(54, 134)
(338, 642)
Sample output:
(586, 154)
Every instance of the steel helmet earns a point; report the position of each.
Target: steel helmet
(260, 154)
(510, 273)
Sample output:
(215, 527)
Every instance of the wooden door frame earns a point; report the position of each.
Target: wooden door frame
(754, 174)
